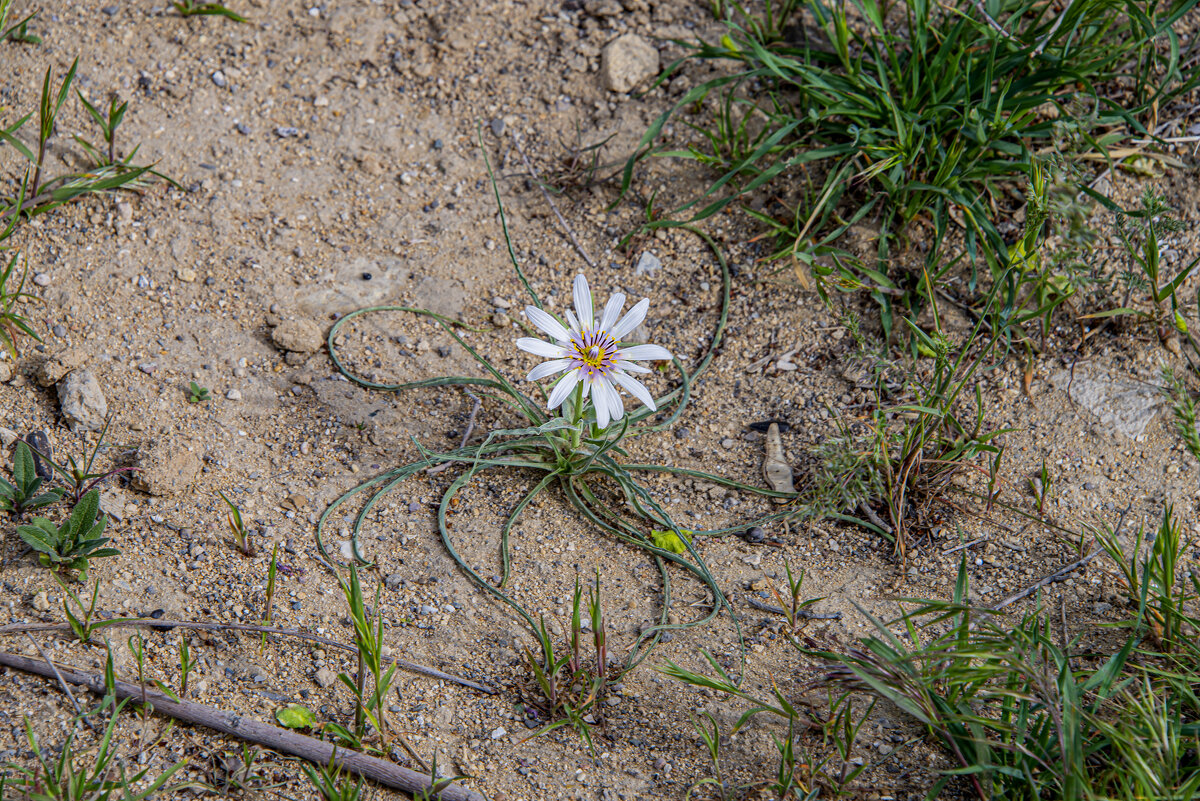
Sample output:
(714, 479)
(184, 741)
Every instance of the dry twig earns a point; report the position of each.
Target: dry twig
(246, 728)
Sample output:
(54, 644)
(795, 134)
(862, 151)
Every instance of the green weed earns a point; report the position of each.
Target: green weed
(192, 8)
(25, 495)
(197, 393)
(1183, 407)
(237, 527)
(71, 545)
(917, 114)
(13, 324)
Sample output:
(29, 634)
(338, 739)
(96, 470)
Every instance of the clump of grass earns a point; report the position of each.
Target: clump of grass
(107, 171)
(98, 774)
(572, 687)
(905, 454)
(915, 113)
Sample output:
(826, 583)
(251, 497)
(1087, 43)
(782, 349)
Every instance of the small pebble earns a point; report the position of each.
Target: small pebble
(233, 395)
(242, 128)
(754, 535)
(41, 279)
(218, 78)
(286, 131)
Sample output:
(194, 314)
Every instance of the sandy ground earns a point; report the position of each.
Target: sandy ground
(330, 158)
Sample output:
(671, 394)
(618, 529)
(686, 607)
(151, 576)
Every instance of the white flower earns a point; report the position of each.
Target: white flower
(591, 351)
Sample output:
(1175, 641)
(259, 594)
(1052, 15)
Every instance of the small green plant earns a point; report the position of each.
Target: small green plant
(187, 664)
(1041, 486)
(1143, 278)
(269, 610)
(241, 535)
(85, 623)
(18, 31)
(572, 687)
(1183, 407)
(793, 605)
(369, 706)
(1152, 583)
(192, 8)
(197, 393)
(82, 477)
(13, 324)
(25, 495)
(799, 776)
(436, 783)
(73, 544)
(106, 155)
(330, 785)
(99, 775)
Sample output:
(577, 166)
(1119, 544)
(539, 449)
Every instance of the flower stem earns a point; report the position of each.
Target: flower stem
(575, 430)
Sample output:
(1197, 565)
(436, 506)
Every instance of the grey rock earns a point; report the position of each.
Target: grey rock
(393, 581)
(1121, 404)
(41, 279)
(648, 264)
(82, 402)
(59, 364)
(6, 371)
(497, 126)
(112, 503)
(626, 62)
(298, 336)
(233, 395)
(325, 677)
(8, 437)
(218, 78)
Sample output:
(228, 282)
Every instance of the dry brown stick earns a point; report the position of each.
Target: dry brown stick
(561, 221)
(162, 625)
(1057, 575)
(964, 545)
(276, 738)
(61, 683)
(1061, 573)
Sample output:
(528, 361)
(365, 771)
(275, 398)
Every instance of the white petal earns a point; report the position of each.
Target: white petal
(616, 405)
(611, 310)
(634, 388)
(563, 388)
(572, 321)
(546, 322)
(645, 353)
(548, 369)
(631, 367)
(583, 302)
(631, 320)
(600, 402)
(540, 348)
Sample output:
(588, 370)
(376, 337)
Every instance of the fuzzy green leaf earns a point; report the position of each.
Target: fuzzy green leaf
(296, 716)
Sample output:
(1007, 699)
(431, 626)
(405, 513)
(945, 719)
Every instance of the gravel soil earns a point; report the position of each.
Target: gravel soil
(330, 157)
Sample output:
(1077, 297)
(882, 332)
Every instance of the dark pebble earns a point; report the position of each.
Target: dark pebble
(304, 693)
(497, 126)
(682, 433)
(367, 276)
(437, 144)
(285, 131)
(59, 331)
(754, 535)
(296, 606)
(443, 351)
(766, 424)
(243, 128)
(1089, 485)
(413, 506)
(109, 11)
